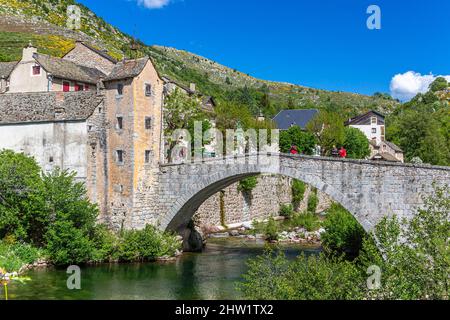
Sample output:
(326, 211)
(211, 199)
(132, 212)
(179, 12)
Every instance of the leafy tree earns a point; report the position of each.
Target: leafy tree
(356, 143)
(180, 113)
(21, 197)
(328, 129)
(421, 130)
(439, 84)
(343, 234)
(298, 193)
(413, 255)
(305, 141)
(273, 277)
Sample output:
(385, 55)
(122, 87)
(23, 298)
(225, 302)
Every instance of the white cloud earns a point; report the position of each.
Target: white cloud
(154, 4)
(407, 85)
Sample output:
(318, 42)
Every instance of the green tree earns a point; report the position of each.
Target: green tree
(305, 141)
(71, 219)
(273, 277)
(180, 113)
(439, 84)
(413, 255)
(356, 143)
(328, 129)
(21, 198)
(343, 234)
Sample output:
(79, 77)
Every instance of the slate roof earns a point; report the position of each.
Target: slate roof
(384, 156)
(394, 146)
(69, 70)
(47, 106)
(287, 118)
(99, 52)
(127, 69)
(6, 68)
(362, 116)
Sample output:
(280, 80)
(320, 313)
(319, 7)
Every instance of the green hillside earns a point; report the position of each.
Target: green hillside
(43, 23)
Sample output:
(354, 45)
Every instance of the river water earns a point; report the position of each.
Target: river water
(212, 274)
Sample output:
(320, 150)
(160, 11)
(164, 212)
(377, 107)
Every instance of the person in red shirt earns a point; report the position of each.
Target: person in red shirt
(343, 153)
(294, 150)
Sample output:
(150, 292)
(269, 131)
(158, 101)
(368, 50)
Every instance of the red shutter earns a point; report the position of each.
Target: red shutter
(66, 86)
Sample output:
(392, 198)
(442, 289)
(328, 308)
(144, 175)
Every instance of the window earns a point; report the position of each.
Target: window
(78, 87)
(147, 156)
(148, 89)
(120, 89)
(148, 123)
(66, 86)
(51, 160)
(374, 120)
(120, 123)
(36, 70)
(374, 130)
(86, 87)
(119, 154)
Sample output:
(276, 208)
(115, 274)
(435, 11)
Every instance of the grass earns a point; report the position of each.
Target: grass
(14, 256)
(12, 43)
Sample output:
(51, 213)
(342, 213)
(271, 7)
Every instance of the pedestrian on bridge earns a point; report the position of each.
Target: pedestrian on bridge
(343, 153)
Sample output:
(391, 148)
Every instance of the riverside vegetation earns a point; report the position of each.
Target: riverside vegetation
(413, 256)
(48, 217)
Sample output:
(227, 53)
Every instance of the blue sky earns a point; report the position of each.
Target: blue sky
(323, 43)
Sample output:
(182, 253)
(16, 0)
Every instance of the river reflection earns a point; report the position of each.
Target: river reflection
(210, 275)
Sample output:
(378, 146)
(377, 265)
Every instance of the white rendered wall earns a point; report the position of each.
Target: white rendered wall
(65, 142)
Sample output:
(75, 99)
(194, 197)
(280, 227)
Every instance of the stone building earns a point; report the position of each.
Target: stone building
(107, 135)
(103, 120)
(37, 72)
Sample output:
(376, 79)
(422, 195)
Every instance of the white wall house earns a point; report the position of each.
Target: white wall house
(372, 124)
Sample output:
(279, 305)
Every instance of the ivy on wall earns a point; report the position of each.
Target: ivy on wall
(298, 192)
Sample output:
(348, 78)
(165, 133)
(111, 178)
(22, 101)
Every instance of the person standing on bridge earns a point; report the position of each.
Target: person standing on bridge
(294, 149)
(334, 152)
(343, 153)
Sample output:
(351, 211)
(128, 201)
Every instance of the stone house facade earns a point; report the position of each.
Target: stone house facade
(37, 72)
(108, 135)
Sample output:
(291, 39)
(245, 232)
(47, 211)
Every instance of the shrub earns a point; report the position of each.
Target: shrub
(147, 244)
(67, 244)
(307, 220)
(14, 256)
(106, 245)
(21, 201)
(247, 185)
(271, 230)
(298, 193)
(286, 211)
(417, 268)
(272, 277)
(343, 234)
(313, 201)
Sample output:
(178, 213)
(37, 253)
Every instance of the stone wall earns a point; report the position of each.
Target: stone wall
(85, 56)
(231, 206)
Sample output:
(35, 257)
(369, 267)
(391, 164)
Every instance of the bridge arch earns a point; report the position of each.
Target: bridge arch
(369, 190)
(185, 208)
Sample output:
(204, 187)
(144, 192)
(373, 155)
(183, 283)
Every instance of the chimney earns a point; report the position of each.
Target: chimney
(28, 52)
(192, 87)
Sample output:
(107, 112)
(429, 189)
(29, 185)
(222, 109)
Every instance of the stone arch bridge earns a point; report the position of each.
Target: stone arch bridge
(368, 189)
